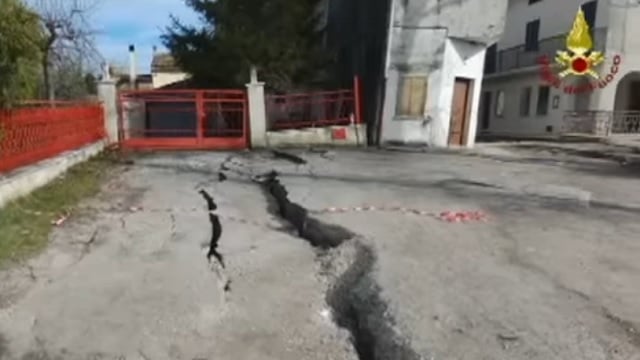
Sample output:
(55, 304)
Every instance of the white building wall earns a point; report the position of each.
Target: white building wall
(623, 39)
(460, 59)
(441, 40)
(556, 17)
(164, 79)
(620, 21)
(511, 122)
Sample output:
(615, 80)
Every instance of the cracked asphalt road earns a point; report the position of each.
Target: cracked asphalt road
(552, 275)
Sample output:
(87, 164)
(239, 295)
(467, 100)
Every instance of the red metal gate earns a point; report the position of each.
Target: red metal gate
(183, 119)
(314, 109)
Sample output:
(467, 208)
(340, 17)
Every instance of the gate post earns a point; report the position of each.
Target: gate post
(257, 111)
(108, 96)
(200, 115)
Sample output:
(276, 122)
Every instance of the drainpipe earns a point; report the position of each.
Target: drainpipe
(132, 67)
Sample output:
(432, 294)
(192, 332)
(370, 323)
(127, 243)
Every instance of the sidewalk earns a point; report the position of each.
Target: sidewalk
(630, 141)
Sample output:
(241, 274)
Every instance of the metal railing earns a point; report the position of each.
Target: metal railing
(314, 109)
(517, 57)
(626, 122)
(601, 123)
(29, 134)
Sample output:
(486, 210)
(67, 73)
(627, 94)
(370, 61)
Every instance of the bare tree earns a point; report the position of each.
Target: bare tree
(68, 36)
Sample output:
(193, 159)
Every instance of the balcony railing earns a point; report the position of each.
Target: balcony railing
(601, 123)
(516, 57)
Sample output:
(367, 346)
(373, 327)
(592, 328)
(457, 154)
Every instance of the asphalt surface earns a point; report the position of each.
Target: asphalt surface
(551, 273)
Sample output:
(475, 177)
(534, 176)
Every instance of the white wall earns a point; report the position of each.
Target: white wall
(623, 39)
(622, 101)
(511, 123)
(460, 59)
(464, 60)
(355, 135)
(556, 17)
(459, 17)
(164, 79)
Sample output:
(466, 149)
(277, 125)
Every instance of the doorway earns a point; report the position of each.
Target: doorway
(634, 96)
(460, 110)
(486, 110)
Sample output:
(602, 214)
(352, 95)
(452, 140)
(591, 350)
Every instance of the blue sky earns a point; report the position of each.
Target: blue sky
(139, 22)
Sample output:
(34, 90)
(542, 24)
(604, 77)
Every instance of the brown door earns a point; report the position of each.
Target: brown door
(460, 112)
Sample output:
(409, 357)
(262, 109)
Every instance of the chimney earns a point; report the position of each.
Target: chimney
(132, 67)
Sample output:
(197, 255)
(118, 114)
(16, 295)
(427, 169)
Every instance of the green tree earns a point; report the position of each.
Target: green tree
(71, 82)
(279, 37)
(20, 35)
(67, 37)
(91, 84)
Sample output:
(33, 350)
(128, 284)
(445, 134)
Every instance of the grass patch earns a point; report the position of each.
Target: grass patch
(25, 224)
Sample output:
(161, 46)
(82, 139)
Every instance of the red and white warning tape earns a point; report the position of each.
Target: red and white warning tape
(449, 216)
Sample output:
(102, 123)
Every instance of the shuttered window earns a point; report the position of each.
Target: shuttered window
(532, 34)
(412, 96)
(590, 9)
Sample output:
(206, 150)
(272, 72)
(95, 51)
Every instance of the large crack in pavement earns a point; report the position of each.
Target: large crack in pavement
(354, 296)
(216, 229)
(216, 234)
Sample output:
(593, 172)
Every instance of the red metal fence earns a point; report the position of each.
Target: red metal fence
(183, 119)
(41, 130)
(314, 109)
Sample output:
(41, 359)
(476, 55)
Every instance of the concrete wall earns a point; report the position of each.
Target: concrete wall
(26, 179)
(355, 135)
(107, 94)
(164, 79)
(460, 18)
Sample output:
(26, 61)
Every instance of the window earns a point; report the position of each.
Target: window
(490, 60)
(590, 8)
(531, 37)
(412, 96)
(543, 100)
(500, 103)
(525, 101)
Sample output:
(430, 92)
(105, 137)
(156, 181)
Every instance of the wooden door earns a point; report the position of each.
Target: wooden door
(459, 122)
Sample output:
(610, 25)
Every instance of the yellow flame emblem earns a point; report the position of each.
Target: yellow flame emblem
(579, 60)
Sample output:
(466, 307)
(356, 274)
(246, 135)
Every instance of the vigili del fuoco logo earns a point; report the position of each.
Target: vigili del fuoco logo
(578, 60)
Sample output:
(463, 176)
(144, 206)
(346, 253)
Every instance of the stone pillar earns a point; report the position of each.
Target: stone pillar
(108, 96)
(257, 111)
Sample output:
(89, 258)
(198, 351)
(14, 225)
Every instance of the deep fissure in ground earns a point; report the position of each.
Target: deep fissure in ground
(354, 296)
(216, 234)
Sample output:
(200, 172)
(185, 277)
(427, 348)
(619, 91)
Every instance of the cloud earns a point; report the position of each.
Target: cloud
(139, 22)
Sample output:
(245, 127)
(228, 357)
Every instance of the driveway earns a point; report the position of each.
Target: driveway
(344, 255)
